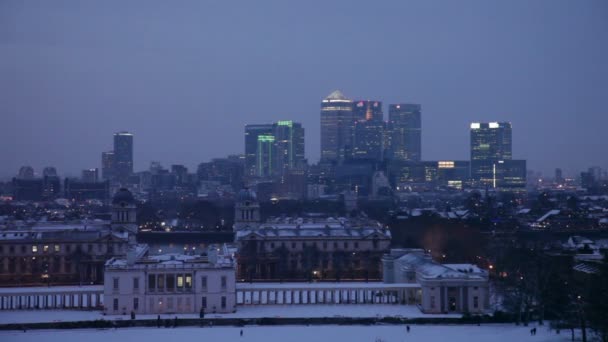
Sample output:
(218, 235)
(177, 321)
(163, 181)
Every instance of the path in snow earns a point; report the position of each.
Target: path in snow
(423, 333)
(346, 310)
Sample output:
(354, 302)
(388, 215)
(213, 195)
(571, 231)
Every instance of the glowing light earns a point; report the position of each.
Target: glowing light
(494, 125)
(285, 123)
(475, 125)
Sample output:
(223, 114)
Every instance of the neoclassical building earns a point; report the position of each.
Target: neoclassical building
(171, 283)
(446, 288)
(68, 253)
(309, 247)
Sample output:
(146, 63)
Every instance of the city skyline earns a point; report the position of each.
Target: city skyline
(173, 94)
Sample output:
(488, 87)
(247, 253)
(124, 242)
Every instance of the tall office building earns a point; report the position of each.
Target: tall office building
(289, 145)
(264, 155)
(490, 142)
(368, 130)
(123, 156)
(107, 165)
(252, 132)
(406, 131)
(90, 176)
(277, 148)
(337, 125)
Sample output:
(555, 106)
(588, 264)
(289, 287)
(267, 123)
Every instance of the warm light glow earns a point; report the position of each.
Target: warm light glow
(494, 125)
(475, 125)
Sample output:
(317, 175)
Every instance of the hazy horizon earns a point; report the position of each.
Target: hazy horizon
(186, 77)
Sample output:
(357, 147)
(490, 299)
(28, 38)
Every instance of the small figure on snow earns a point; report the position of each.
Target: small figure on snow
(241, 332)
(407, 328)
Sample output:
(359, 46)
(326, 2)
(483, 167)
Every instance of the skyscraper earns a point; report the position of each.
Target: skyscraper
(289, 145)
(123, 156)
(264, 155)
(490, 142)
(252, 132)
(405, 125)
(107, 165)
(368, 130)
(337, 125)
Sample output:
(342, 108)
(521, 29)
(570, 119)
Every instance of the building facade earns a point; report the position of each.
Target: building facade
(171, 283)
(337, 124)
(490, 142)
(446, 288)
(406, 131)
(310, 247)
(368, 133)
(123, 156)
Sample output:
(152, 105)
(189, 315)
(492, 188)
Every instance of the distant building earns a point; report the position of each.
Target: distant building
(90, 175)
(446, 288)
(123, 156)
(337, 125)
(368, 133)
(68, 254)
(306, 247)
(490, 142)
(252, 132)
(26, 173)
(289, 147)
(171, 283)
(406, 131)
(79, 190)
(107, 165)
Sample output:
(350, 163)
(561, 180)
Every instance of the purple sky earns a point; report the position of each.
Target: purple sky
(186, 76)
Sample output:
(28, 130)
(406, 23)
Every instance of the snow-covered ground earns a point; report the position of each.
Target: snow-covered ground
(393, 333)
(346, 310)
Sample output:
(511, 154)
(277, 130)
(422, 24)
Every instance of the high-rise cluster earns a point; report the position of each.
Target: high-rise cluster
(356, 130)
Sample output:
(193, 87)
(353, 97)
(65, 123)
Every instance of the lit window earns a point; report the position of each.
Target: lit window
(34, 249)
(45, 249)
(57, 248)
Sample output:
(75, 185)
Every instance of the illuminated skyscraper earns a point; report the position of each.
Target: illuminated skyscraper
(405, 125)
(368, 130)
(289, 145)
(264, 155)
(337, 125)
(123, 156)
(252, 132)
(490, 142)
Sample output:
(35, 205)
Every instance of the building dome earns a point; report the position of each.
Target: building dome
(123, 196)
(246, 195)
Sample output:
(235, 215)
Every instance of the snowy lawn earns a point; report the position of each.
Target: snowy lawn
(424, 333)
(321, 310)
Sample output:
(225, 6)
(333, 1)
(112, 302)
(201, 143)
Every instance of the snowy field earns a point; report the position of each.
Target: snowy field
(345, 310)
(423, 333)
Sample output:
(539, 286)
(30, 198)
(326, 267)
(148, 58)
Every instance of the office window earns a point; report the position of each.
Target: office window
(224, 282)
(204, 282)
(115, 284)
(204, 302)
(135, 304)
(223, 302)
(115, 305)
(135, 283)
(475, 302)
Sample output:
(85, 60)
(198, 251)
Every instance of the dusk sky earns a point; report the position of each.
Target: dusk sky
(186, 76)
